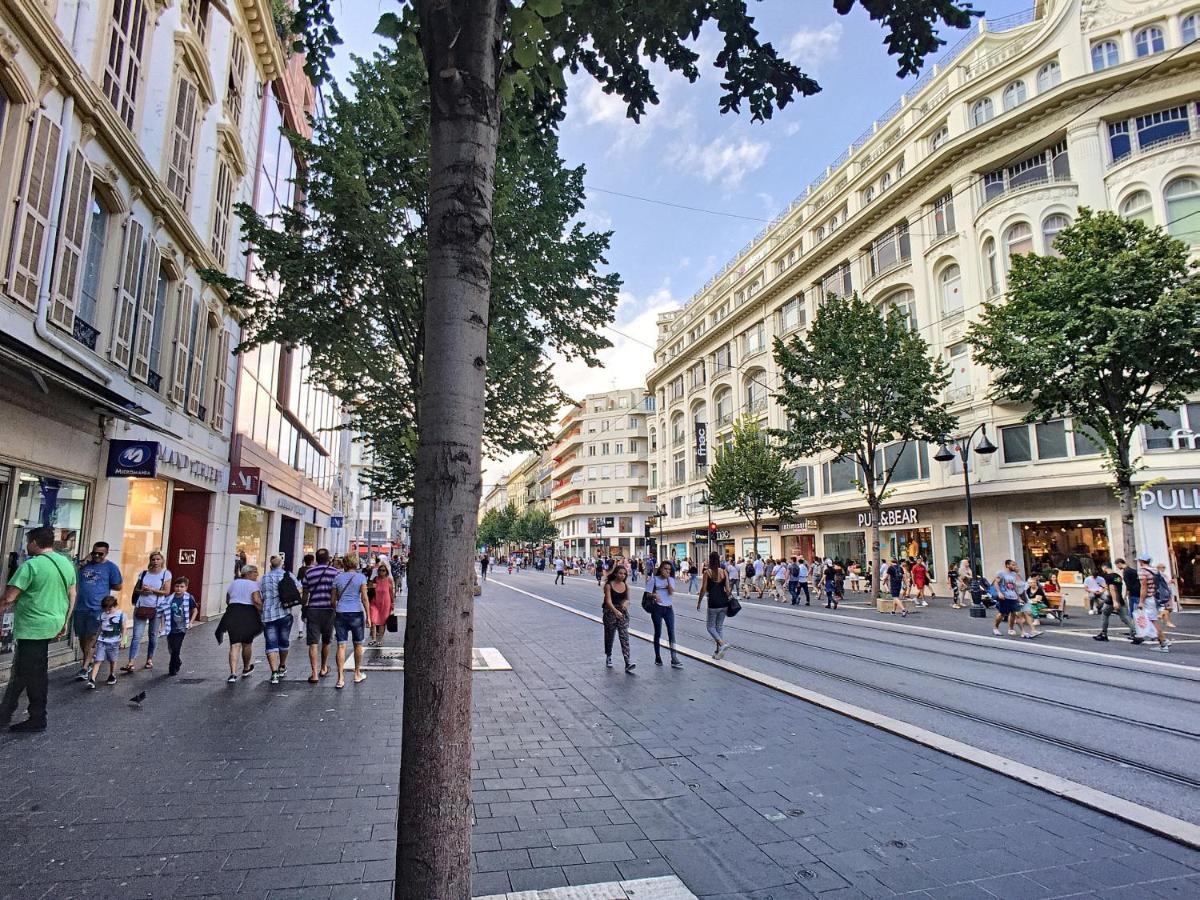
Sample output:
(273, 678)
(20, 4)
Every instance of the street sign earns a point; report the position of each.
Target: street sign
(336, 522)
(609, 521)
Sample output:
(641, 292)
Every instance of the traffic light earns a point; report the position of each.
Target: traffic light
(712, 529)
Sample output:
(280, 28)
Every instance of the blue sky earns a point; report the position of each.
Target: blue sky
(686, 152)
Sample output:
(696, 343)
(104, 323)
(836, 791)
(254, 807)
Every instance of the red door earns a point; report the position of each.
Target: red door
(189, 529)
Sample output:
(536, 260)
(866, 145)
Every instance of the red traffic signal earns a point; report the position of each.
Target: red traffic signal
(712, 526)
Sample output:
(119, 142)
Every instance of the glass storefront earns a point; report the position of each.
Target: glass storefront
(1183, 537)
(145, 518)
(252, 537)
(846, 546)
(956, 547)
(311, 535)
(764, 547)
(1068, 545)
(909, 543)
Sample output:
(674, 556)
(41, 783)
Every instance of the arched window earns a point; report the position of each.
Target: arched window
(1183, 208)
(724, 404)
(981, 111)
(678, 435)
(1105, 54)
(991, 269)
(939, 137)
(1187, 28)
(869, 194)
(1018, 239)
(886, 181)
(1048, 76)
(820, 232)
(950, 282)
(756, 391)
(1014, 94)
(653, 438)
(1051, 226)
(1138, 205)
(1149, 40)
(904, 302)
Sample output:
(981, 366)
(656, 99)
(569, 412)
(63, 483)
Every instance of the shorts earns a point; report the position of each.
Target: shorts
(318, 626)
(278, 634)
(1008, 606)
(895, 591)
(85, 622)
(349, 626)
(106, 650)
(1151, 609)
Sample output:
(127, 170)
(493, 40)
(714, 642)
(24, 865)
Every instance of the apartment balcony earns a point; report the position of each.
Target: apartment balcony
(988, 195)
(960, 395)
(568, 503)
(698, 386)
(563, 486)
(566, 464)
(757, 405)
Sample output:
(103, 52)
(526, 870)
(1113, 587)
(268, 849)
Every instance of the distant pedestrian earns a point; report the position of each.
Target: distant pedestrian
(1008, 587)
(560, 570)
(1094, 589)
(829, 575)
(350, 591)
(108, 642)
(1032, 601)
(381, 605)
(483, 567)
(894, 576)
(1170, 602)
(921, 581)
(181, 612)
(779, 575)
(97, 579)
(1155, 593)
(839, 584)
(693, 575)
(802, 574)
(965, 583)
(615, 613)
(318, 612)
(149, 599)
(242, 621)
(276, 618)
(793, 581)
(308, 560)
(662, 585)
(733, 570)
(715, 587)
(1114, 601)
(759, 575)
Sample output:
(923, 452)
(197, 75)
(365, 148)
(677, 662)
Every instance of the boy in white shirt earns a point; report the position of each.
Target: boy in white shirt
(108, 643)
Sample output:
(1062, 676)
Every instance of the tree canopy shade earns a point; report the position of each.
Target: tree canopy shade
(343, 275)
(749, 477)
(859, 384)
(1105, 332)
(476, 53)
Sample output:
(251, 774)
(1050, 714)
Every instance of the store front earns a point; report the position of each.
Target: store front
(800, 539)
(1075, 548)
(1169, 521)
(909, 543)
(845, 546)
(250, 546)
(764, 547)
(956, 547)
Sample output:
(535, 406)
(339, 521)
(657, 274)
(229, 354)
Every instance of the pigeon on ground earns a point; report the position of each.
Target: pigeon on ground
(138, 698)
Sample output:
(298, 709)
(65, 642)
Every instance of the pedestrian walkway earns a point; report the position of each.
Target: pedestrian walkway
(582, 776)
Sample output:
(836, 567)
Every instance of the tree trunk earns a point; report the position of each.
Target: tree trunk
(876, 557)
(461, 44)
(1125, 495)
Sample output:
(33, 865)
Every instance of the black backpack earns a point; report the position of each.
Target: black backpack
(289, 592)
(794, 571)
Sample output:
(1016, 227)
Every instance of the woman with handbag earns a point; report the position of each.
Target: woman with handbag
(714, 585)
(381, 604)
(149, 602)
(616, 616)
(657, 601)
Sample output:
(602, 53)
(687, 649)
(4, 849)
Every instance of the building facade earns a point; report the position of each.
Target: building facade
(1077, 103)
(600, 477)
(128, 129)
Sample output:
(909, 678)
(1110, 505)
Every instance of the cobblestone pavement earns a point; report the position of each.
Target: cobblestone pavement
(582, 775)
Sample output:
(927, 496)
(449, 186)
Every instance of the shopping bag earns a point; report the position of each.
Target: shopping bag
(1143, 626)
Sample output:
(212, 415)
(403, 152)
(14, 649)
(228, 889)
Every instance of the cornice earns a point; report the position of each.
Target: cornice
(268, 50)
(191, 54)
(13, 78)
(229, 145)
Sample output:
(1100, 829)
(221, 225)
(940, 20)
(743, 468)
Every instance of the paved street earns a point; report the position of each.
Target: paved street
(583, 775)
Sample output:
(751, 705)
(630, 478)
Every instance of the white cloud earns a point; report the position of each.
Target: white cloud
(793, 128)
(726, 161)
(810, 47)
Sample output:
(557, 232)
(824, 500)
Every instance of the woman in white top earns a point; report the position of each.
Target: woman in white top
(148, 605)
(242, 620)
(662, 585)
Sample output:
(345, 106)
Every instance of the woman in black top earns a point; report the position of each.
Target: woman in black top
(715, 586)
(616, 616)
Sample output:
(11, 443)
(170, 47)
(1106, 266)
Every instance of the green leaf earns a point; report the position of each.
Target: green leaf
(546, 8)
(390, 26)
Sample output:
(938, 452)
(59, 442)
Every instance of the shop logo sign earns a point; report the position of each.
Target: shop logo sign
(245, 480)
(132, 459)
(1184, 439)
(336, 522)
(889, 518)
(1185, 498)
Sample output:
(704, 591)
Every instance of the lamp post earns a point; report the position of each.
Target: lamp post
(708, 536)
(962, 447)
(660, 515)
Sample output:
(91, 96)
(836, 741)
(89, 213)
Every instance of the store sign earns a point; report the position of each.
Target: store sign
(336, 522)
(721, 534)
(806, 525)
(890, 518)
(702, 443)
(293, 506)
(1185, 439)
(769, 528)
(1169, 499)
(132, 459)
(180, 461)
(245, 480)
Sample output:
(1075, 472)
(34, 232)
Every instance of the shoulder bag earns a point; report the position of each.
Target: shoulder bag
(649, 601)
(145, 613)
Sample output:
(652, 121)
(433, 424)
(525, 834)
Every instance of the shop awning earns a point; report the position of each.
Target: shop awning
(43, 368)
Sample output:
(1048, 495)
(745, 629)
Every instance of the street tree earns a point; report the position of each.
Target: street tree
(342, 275)
(535, 527)
(478, 54)
(1103, 331)
(862, 384)
(490, 532)
(750, 477)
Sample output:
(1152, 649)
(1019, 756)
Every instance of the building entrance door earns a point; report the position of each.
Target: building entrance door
(188, 535)
(1183, 539)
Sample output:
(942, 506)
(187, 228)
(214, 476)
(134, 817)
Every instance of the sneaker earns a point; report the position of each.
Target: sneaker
(232, 679)
(112, 679)
(1011, 632)
(676, 664)
(275, 678)
(1099, 637)
(996, 632)
(608, 662)
(1157, 648)
(658, 662)
(957, 606)
(1137, 640)
(904, 614)
(91, 685)
(720, 654)
(282, 670)
(629, 667)
(28, 726)
(81, 675)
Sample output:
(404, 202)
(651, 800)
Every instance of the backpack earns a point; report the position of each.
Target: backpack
(289, 593)
(794, 571)
(1162, 590)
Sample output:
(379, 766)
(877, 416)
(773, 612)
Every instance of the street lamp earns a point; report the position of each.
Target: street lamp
(708, 536)
(962, 446)
(660, 515)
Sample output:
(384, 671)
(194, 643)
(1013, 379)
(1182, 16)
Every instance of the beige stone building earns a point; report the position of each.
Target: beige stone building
(1077, 103)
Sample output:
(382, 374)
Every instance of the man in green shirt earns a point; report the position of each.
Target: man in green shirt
(43, 589)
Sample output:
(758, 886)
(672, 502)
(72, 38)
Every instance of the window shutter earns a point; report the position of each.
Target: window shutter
(33, 215)
(220, 381)
(145, 317)
(183, 319)
(196, 374)
(127, 286)
(179, 168)
(64, 299)
(237, 79)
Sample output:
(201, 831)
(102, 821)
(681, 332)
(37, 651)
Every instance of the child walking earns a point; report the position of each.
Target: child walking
(108, 644)
(181, 611)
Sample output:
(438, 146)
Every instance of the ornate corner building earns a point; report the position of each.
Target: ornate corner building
(989, 154)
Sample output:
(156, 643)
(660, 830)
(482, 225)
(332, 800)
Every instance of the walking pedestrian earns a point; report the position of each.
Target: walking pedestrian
(802, 574)
(181, 612)
(793, 582)
(1033, 597)
(839, 584)
(714, 585)
(759, 574)
(381, 605)
(108, 642)
(921, 581)
(1171, 601)
(318, 613)
(97, 579)
(149, 599)
(615, 613)
(662, 586)
(276, 618)
(779, 575)
(1114, 601)
(895, 581)
(1155, 593)
(693, 577)
(1009, 587)
(965, 576)
(350, 589)
(242, 621)
(734, 571)
(829, 574)
(483, 567)
(560, 571)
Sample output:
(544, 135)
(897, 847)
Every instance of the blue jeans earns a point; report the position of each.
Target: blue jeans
(662, 614)
(693, 583)
(278, 634)
(794, 591)
(140, 627)
(716, 624)
(349, 627)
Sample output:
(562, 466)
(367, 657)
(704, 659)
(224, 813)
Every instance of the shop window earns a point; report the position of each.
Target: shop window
(1048, 76)
(1068, 545)
(252, 536)
(123, 59)
(956, 546)
(145, 520)
(1138, 205)
(1105, 54)
(1182, 197)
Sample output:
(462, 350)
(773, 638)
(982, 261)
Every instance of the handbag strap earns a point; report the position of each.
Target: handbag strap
(61, 576)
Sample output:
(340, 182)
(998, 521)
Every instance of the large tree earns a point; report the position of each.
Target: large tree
(476, 52)
(861, 383)
(1104, 331)
(750, 477)
(535, 527)
(342, 275)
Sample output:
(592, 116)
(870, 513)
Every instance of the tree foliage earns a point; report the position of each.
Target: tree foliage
(343, 275)
(534, 526)
(750, 477)
(1103, 331)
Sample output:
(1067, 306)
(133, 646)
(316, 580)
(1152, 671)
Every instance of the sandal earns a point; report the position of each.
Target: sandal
(359, 678)
(313, 679)
(324, 671)
(340, 685)
(149, 664)
(128, 668)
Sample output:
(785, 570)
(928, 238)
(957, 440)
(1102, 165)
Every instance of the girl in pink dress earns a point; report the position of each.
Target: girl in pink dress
(381, 604)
